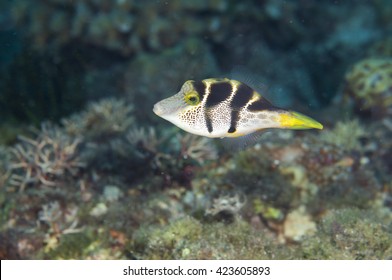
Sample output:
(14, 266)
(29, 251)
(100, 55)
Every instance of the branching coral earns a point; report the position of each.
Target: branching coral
(183, 147)
(101, 120)
(197, 148)
(60, 222)
(146, 139)
(45, 160)
(172, 158)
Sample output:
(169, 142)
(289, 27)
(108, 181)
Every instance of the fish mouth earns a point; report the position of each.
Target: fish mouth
(157, 109)
(295, 120)
(169, 106)
(164, 108)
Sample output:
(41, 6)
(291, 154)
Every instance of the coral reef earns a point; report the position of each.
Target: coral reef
(284, 175)
(101, 120)
(175, 157)
(369, 85)
(165, 195)
(350, 234)
(111, 181)
(121, 26)
(46, 160)
(187, 238)
(59, 222)
(196, 148)
(345, 135)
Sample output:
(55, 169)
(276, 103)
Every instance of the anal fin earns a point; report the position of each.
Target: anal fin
(240, 143)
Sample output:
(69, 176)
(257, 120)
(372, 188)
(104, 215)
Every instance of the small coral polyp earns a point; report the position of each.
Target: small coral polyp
(369, 84)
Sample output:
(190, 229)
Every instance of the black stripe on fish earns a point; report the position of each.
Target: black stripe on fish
(200, 88)
(241, 97)
(209, 122)
(260, 105)
(235, 115)
(219, 92)
(231, 129)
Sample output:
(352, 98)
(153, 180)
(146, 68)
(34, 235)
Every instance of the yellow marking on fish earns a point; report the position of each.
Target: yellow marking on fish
(295, 120)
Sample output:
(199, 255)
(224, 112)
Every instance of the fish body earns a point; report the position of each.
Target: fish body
(219, 108)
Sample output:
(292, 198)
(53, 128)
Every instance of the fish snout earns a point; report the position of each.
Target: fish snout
(158, 110)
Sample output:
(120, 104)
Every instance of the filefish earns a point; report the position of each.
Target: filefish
(219, 108)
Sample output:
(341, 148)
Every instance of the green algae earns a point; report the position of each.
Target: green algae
(267, 211)
(188, 238)
(342, 234)
(70, 246)
(351, 234)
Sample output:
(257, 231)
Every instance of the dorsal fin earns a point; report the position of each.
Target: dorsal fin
(240, 73)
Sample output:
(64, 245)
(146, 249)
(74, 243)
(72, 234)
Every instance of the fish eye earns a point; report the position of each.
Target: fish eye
(192, 98)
